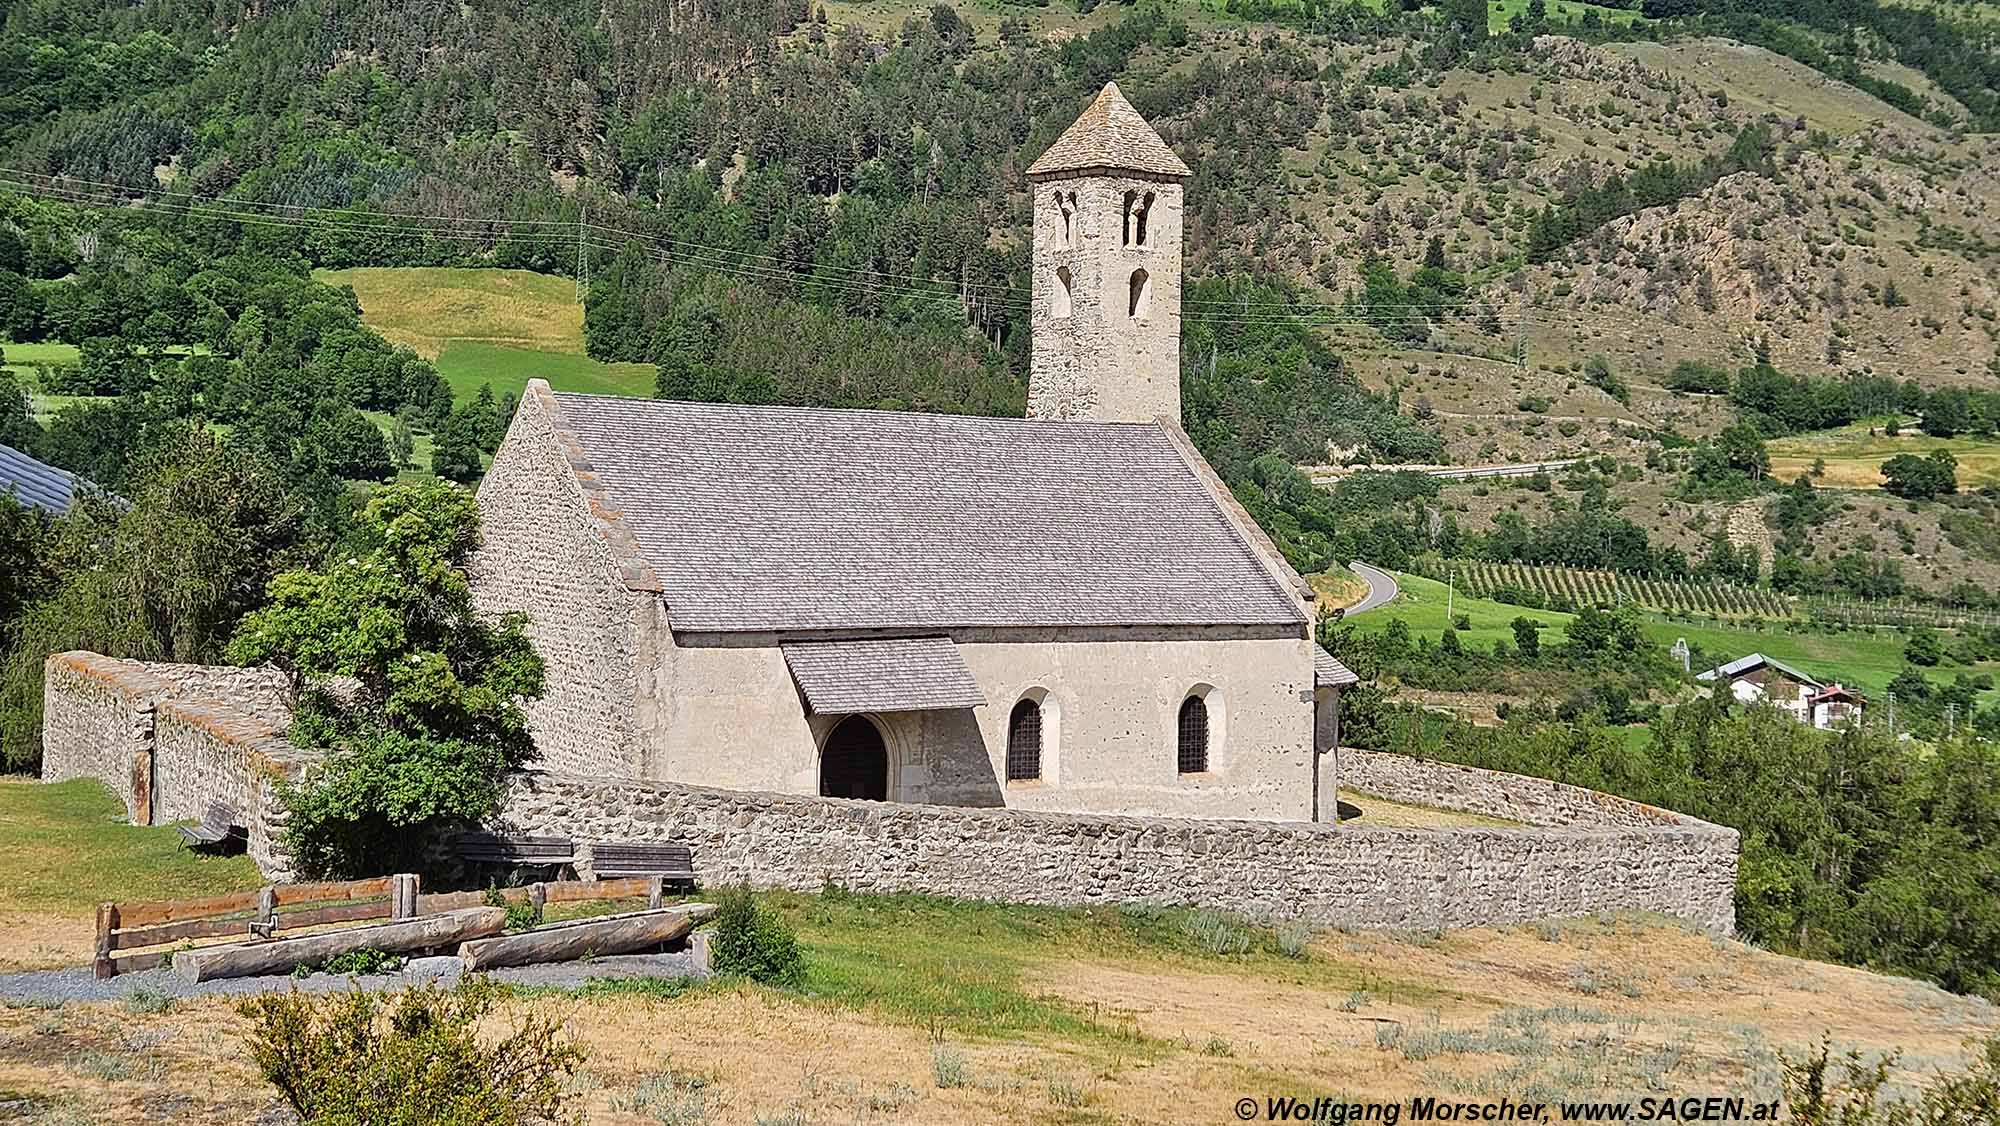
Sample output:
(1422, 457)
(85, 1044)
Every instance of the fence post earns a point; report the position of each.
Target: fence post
(653, 886)
(403, 896)
(107, 921)
(538, 894)
(266, 925)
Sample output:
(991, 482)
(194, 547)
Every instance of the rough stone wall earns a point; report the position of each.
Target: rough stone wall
(1092, 358)
(171, 739)
(545, 552)
(1516, 797)
(1398, 878)
(97, 722)
(727, 714)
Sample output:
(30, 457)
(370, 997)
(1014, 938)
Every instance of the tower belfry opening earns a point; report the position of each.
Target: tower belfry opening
(1107, 270)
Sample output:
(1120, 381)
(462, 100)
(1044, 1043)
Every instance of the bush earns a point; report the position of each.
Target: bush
(415, 1061)
(752, 941)
(522, 914)
(1858, 1093)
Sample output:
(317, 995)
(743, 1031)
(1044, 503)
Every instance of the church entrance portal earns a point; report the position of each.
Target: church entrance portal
(855, 762)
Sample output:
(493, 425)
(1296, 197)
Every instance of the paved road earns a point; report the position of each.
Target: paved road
(1382, 588)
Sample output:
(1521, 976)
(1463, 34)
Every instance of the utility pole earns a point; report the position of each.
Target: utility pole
(1450, 588)
(582, 259)
(1950, 720)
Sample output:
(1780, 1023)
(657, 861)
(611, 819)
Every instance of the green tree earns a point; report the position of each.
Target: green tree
(1919, 478)
(1924, 647)
(165, 578)
(437, 721)
(454, 450)
(403, 439)
(1527, 636)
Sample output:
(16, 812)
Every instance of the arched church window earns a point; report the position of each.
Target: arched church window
(1192, 736)
(1139, 218)
(1024, 742)
(1140, 295)
(1131, 201)
(1063, 300)
(1065, 219)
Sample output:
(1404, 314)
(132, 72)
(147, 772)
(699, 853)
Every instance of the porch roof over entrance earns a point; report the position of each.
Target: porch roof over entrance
(886, 674)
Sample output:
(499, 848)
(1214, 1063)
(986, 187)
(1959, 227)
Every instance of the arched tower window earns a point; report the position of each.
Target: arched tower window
(1139, 218)
(1131, 199)
(1065, 219)
(1024, 742)
(1193, 736)
(1141, 294)
(1063, 300)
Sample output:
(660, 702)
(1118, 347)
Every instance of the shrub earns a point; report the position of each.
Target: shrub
(949, 1067)
(522, 914)
(148, 999)
(1218, 934)
(672, 1098)
(753, 942)
(1859, 1095)
(415, 1061)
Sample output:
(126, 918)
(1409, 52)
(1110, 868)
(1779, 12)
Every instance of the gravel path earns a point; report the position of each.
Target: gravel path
(49, 987)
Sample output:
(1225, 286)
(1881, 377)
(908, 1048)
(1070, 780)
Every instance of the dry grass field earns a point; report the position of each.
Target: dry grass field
(1854, 455)
(1083, 1023)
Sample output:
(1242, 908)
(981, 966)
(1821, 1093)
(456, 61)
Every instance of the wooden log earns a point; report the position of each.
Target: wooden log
(174, 910)
(246, 959)
(432, 902)
(174, 932)
(625, 887)
(566, 942)
(341, 913)
(344, 889)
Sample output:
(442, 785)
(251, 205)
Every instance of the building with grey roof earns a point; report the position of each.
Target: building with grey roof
(1063, 612)
(37, 484)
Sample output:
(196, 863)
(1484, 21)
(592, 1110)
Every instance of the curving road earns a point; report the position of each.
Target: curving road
(1382, 588)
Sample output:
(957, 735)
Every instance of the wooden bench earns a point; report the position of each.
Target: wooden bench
(217, 828)
(516, 852)
(671, 862)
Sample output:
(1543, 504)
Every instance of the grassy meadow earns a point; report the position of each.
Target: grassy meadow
(68, 849)
(1854, 456)
(481, 326)
(1862, 659)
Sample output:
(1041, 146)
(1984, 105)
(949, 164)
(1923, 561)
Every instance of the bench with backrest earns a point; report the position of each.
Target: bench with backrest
(673, 863)
(215, 830)
(514, 852)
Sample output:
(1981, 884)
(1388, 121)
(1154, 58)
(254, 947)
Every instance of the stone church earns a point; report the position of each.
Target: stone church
(1066, 612)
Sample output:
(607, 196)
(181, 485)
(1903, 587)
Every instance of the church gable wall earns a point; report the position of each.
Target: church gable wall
(544, 553)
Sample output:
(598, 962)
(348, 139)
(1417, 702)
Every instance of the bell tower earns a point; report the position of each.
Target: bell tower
(1107, 270)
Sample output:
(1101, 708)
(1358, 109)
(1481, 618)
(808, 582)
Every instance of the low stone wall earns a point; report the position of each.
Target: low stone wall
(1334, 876)
(171, 739)
(1516, 797)
(97, 722)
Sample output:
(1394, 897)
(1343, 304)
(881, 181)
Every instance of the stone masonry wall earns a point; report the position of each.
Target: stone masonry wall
(171, 739)
(1494, 793)
(97, 721)
(1346, 876)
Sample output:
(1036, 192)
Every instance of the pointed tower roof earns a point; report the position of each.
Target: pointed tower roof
(1110, 135)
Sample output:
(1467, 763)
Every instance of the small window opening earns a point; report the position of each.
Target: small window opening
(1024, 742)
(1063, 300)
(1193, 736)
(1141, 295)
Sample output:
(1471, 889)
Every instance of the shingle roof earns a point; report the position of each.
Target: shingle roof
(1741, 665)
(1109, 135)
(1328, 672)
(37, 484)
(891, 674)
(799, 518)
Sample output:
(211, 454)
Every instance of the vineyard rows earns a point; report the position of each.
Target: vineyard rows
(1564, 585)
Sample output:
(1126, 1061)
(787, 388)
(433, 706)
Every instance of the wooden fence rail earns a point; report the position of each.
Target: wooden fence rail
(262, 914)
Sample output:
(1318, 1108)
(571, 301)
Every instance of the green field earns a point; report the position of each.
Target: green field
(495, 327)
(1854, 457)
(1867, 661)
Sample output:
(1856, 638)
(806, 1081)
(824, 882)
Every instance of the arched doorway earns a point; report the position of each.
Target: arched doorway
(855, 762)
